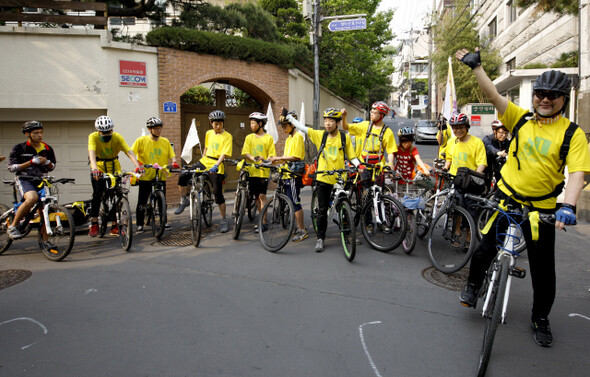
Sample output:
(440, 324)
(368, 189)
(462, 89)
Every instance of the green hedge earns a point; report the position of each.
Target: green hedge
(228, 46)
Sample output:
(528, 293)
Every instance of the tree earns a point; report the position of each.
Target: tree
(457, 30)
(289, 19)
(558, 6)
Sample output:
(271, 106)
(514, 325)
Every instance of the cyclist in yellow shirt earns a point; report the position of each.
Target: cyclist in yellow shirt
(331, 158)
(103, 149)
(258, 146)
(293, 155)
(152, 149)
(533, 175)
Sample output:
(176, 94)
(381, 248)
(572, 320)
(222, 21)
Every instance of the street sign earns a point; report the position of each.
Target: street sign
(170, 107)
(344, 25)
(482, 109)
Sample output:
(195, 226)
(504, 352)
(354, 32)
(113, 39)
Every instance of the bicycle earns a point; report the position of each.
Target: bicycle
(449, 247)
(244, 199)
(201, 202)
(55, 222)
(496, 286)
(340, 205)
(155, 210)
(278, 212)
(433, 199)
(114, 207)
(383, 218)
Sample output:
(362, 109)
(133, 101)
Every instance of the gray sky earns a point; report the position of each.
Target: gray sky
(409, 14)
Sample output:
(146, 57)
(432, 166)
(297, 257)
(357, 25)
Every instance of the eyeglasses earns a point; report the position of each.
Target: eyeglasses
(405, 140)
(549, 95)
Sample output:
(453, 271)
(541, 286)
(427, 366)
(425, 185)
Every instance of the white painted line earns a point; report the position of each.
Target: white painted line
(579, 315)
(375, 370)
(90, 290)
(27, 319)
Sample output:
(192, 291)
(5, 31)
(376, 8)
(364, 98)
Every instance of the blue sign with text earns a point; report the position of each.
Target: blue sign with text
(343, 25)
(169, 107)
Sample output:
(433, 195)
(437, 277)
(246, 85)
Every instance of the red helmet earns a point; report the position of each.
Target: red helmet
(381, 107)
(497, 124)
(459, 120)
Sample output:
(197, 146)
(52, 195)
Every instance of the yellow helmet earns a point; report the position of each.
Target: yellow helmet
(333, 113)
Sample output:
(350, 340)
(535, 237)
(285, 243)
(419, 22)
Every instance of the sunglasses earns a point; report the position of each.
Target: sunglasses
(550, 95)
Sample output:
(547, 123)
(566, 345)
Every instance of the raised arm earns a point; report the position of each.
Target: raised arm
(300, 126)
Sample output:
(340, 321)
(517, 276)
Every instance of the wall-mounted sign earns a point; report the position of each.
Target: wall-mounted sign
(482, 109)
(170, 107)
(476, 120)
(132, 74)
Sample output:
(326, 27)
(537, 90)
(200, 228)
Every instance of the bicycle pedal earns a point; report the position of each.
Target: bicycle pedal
(518, 272)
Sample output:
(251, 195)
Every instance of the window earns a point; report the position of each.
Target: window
(511, 12)
(493, 28)
(514, 95)
(511, 64)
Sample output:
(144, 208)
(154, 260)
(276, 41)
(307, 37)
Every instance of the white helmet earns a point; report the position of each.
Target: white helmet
(104, 123)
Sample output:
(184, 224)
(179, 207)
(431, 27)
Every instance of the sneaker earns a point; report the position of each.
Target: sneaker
(224, 226)
(184, 202)
(139, 229)
(93, 232)
(319, 246)
(115, 230)
(167, 226)
(300, 235)
(264, 228)
(469, 295)
(14, 233)
(542, 332)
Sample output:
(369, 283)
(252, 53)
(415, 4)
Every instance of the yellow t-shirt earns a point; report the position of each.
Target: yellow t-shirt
(446, 134)
(216, 145)
(332, 157)
(107, 151)
(294, 147)
(470, 154)
(151, 152)
(372, 144)
(538, 152)
(263, 146)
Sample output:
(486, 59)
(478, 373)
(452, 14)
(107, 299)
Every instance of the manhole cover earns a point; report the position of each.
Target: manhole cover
(454, 282)
(8, 278)
(181, 237)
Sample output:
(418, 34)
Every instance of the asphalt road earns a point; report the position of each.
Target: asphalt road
(230, 308)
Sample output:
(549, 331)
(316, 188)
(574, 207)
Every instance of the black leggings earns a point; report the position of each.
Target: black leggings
(145, 189)
(541, 254)
(323, 192)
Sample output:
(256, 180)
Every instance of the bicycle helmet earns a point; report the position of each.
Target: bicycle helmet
(259, 117)
(382, 107)
(497, 124)
(459, 120)
(217, 115)
(104, 123)
(357, 120)
(405, 132)
(154, 122)
(32, 125)
(283, 119)
(555, 81)
(333, 113)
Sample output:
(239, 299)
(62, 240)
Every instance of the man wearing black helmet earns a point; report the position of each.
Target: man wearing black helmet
(29, 160)
(533, 176)
(152, 149)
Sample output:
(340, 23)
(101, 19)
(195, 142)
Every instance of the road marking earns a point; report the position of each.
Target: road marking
(365, 346)
(579, 315)
(27, 319)
(87, 291)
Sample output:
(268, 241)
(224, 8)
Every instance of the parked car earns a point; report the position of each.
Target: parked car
(425, 130)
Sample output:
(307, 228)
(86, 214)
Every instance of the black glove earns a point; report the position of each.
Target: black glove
(284, 112)
(472, 59)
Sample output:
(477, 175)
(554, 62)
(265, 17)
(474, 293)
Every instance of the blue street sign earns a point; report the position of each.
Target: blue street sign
(169, 107)
(344, 25)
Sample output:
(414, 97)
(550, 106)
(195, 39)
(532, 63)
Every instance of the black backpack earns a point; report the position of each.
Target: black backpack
(325, 139)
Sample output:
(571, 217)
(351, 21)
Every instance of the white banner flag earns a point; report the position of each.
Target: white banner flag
(192, 139)
(302, 113)
(450, 103)
(271, 125)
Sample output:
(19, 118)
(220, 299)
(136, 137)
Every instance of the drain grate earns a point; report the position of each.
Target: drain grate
(180, 237)
(8, 278)
(454, 282)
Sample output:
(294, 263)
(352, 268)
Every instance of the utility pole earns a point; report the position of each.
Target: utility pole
(316, 28)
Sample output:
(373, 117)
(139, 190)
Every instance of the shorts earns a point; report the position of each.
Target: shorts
(292, 189)
(24, 186)
(257, 185)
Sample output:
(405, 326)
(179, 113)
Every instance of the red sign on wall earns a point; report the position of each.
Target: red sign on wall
(476, 120)
(132, 74)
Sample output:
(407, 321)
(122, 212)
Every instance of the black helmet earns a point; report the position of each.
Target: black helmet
(153, 122)
(283, 119)
(32, 125)
(217, 115)
(554, 81)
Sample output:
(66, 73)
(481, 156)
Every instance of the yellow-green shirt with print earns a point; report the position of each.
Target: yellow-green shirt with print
(372, 145)
(152, 152)
(263, 146)
(294, 147)
(216, 145)
(107, 151)
(332, 157)
(470, 154)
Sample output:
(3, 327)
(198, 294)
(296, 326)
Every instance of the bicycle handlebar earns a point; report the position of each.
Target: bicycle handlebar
(548, 218)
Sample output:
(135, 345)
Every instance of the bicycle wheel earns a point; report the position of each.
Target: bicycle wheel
(347, 230)
(252, 208)
(276, 235)
(5, 221)
(409, 241)
(195, 218)
(384, 228)
(424, 217)
(483, 217)
(158, 215)
(356, 203)
(103, 217)
(239, 209)
(207, 202)
(125, 222)
(493, 314)
(451, 239)
(315, 210)
(58, 245)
